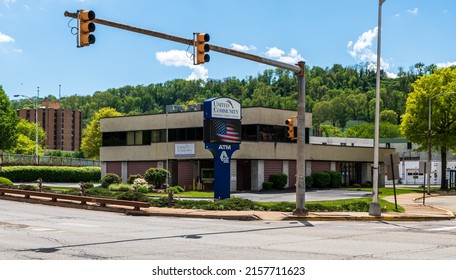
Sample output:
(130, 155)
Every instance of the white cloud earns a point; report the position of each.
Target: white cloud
(275, 52)
(446, 64)
(361, 51)
(5, 38)
(413, 11)
(179, 58)
(362, 48)
(242, 48)
(8, 3)
(292, 57)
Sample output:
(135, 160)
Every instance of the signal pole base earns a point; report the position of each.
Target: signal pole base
(375, 209)
(300, 212)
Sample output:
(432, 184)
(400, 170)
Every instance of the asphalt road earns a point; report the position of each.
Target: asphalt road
(35, 232)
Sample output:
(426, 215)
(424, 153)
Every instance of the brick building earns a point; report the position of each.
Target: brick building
(132, 144)
(63, 127)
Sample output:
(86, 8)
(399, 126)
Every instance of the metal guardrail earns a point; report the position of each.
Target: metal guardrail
(103, 202)
(16, 159)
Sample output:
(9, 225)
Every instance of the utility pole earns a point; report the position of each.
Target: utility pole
(374, 207)
(298, 69)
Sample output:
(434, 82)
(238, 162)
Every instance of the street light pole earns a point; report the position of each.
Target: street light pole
(374, 208)
(428, 171)
(36, 125)
(36, 120)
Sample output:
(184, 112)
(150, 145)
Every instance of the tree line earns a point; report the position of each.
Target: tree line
(335, 95)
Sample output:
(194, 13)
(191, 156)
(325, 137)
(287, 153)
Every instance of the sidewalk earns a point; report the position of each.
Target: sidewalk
(412, 203)
(414, 211)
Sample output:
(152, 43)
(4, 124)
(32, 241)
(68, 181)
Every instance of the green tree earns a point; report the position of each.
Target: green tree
(26, 137)
(366, 130)
(443, 126)
(356, 104)
(388, 116)
(8, 122)
(328, 130)
(92, 138)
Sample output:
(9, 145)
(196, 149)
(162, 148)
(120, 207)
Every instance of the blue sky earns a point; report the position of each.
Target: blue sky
(37, 48)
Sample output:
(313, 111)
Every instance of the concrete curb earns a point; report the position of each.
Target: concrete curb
(241, 216)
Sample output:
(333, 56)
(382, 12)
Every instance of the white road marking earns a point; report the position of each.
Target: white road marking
(79, 225)
(442, 228)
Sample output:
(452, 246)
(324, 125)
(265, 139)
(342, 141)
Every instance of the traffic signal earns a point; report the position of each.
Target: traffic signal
(201, 48)
(85, 28)
(290, 133)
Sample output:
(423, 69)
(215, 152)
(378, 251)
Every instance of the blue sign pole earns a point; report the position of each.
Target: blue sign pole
(222, 158)
(222, 135)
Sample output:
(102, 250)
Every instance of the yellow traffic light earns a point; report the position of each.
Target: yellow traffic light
(290, 123)
(201, 48)
(85, 28)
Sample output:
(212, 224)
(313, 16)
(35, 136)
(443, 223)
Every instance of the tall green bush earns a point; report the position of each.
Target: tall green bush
(336, 179)
(63, 174)
(321, 179)
(279, 181)
(156, 176)
(109, 179)
(309, 181)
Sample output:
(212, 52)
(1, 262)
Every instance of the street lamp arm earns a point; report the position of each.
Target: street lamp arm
(442, 93)
(35, 100)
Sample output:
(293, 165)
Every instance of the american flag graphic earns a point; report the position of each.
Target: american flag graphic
(226, 131)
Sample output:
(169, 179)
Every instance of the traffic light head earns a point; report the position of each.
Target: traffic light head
(290, 133)
(85, 28)
(201, 48)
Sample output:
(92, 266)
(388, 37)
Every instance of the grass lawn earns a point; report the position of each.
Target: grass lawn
(347, 205)
(190, 194)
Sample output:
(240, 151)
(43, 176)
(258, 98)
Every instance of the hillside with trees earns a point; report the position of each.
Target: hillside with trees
(337, 95)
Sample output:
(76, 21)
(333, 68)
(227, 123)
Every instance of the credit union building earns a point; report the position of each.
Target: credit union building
(174, 141)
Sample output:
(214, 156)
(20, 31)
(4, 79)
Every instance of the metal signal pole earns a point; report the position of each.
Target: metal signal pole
(298, 69)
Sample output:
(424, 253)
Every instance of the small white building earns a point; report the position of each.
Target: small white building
(409, 172)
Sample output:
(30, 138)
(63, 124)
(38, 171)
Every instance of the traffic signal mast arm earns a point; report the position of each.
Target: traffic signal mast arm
(189, 42)
(299, 70)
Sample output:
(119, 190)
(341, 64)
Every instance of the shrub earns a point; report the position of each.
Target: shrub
(86, 185)
(225, 204)
(156, 176)
(176, 189)
(309, 181)
(140, 182)
(321, 179)
(110, 178)
(99, 192)
(278, 181)
(367, 184)
(135, 196)
(122, 187)
(267, 185)
(5, 181)
(28, 187)
(336, 179)
(132, 178)
(141, 189)
(65, 174)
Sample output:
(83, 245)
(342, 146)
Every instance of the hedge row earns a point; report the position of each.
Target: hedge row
(63, 174)
(327, 179)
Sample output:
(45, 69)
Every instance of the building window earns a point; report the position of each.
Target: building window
(130, 138)
(250, 132)
(158, 136)
(114, 139)
(138, 137)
